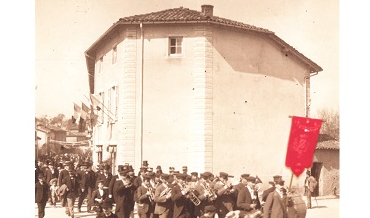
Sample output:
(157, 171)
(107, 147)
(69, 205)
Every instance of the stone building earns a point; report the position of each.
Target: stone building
(184, 87)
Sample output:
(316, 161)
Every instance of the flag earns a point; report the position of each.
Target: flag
(73, 119)
(303, 137)
(85, 110)
(82, 125)
(94, 119)
(95, 102)
(77, 111)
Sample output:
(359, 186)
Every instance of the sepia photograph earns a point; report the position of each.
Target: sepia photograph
(186, 109)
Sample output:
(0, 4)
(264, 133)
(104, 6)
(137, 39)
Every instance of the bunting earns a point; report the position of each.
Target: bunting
(304, 134)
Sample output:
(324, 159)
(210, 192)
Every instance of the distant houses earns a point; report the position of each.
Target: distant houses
(51, 140)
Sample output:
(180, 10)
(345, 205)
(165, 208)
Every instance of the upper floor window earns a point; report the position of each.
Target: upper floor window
(113, 103)
(100, 65)
(101, 112)
(175, 45)
(114, 55)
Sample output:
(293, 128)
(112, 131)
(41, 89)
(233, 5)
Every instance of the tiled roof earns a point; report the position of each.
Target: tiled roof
(185, 15)
(330, 144)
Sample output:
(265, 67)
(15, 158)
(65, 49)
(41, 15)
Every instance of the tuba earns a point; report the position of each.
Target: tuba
(193, 198)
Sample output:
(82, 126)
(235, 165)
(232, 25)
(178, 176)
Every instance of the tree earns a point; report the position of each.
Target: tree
(57, 120)
(330, 125)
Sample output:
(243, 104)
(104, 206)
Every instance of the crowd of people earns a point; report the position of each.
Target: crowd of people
(154, 193)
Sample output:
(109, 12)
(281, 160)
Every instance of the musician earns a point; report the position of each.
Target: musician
(171, 170)
(139, 180)
(242, 183)
(271, 188)
(123, 192)
(275, 206)
(247, 198)
(185, 170)
(162, 197)
(189, 183)
(180, 197)
(224, 190)
(145, 195)
(158, 170)
(194, 179)
(203, 192)
(266, 192)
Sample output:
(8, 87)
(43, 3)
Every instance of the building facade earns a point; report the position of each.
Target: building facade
(183, 87)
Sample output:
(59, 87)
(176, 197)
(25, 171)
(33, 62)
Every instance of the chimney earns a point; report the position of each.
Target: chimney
(207, 10)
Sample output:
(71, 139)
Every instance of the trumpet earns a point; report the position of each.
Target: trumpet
(230, 187)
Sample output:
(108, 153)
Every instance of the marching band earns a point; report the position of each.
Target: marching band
(177, 195)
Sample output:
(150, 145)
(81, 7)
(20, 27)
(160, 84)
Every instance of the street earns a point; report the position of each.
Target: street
(324, 207)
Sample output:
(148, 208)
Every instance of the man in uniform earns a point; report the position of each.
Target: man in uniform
(247, 198)
(185, 170)
(224, 190)
(242, 184)
(179, 196)
(275, 206)
(162, 198)
(145, 196)
(202, 190)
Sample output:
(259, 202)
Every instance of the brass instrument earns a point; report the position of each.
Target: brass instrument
(166, 192)
(193, 198)
(207, 189)
(190, 194)
(151, 194)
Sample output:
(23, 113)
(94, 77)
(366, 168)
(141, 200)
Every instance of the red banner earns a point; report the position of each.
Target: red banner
(303, 137)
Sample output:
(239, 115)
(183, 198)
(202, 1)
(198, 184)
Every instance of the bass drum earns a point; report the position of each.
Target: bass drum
(297, 208)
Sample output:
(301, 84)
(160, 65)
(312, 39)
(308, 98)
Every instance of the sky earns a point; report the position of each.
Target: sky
(64, 30)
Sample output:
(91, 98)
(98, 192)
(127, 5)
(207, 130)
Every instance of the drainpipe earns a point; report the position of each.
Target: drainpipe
(142, 90)
(308, 88)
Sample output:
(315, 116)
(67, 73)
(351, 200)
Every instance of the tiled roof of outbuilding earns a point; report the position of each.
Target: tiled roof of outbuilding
(331, 144)
(185, 15)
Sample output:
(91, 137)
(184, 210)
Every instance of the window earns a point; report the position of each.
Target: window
(114, 55)
(101, 111)
(113, 102)
(100, 65)
(175, 45)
